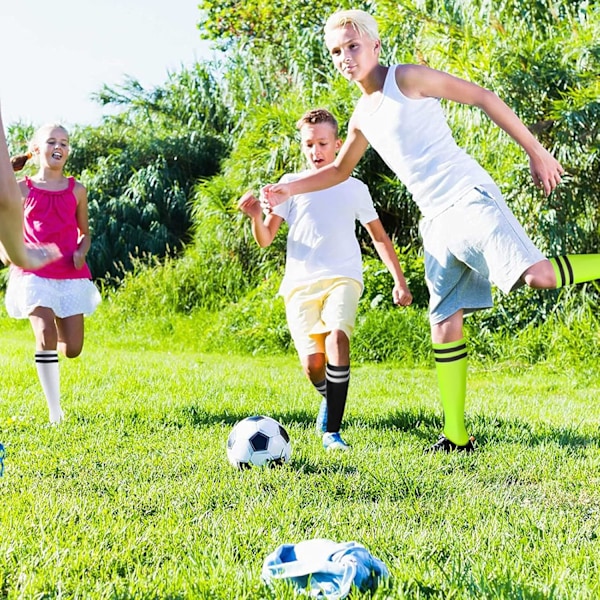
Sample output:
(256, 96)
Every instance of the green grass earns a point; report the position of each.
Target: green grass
(133, 497)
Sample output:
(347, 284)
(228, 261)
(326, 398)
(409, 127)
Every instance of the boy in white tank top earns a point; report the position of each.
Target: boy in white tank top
(470, 236)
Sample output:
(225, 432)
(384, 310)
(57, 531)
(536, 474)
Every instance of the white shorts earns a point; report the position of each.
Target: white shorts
(66, 297)
(472, 244)
(319, 308)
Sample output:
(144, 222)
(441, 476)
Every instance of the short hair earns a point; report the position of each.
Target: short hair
(318, 115)
(363, 23)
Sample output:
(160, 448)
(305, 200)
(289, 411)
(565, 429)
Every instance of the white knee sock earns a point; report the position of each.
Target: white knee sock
(46, 362)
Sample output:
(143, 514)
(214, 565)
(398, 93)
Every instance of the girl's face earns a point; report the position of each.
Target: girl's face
(53, 147)
(353, 55)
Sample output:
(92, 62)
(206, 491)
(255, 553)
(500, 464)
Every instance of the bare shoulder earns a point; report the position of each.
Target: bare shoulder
(80, 191)
(411, 79)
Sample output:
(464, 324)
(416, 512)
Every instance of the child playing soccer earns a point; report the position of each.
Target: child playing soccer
(322, 283)
(470, 236)
(56, 296)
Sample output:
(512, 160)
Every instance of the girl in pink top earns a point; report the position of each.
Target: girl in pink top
(56, 296)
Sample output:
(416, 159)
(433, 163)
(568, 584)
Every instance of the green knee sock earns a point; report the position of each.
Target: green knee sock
(451, 366)
(576, 268)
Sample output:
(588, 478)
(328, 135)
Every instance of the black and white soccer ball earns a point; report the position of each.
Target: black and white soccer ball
(258, 441)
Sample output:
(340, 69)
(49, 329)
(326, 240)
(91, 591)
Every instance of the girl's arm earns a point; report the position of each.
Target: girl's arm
(85, 241)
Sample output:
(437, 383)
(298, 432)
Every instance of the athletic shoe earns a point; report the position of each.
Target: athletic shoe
(334, 441)
(445, 445)
(321, 424)
(2, 455)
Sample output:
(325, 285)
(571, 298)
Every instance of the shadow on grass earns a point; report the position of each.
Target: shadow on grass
(422, 424)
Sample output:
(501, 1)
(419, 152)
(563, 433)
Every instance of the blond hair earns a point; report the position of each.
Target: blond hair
(36, 139)
(315, 116)
(362, 22)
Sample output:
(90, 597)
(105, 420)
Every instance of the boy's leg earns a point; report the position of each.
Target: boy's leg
(338, 316)
(450, 354)
(338, 378)
(314, 369)
(575, 268)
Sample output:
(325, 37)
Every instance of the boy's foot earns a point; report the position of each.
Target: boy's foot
(2, 455)
(445, 445)
(321, 424)
(334, 441)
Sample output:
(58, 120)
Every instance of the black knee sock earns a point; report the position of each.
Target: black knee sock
(338, 379)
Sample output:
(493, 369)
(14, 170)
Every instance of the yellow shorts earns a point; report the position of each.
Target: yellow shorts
(317, 309)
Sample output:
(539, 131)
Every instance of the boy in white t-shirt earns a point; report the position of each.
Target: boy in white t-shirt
(323, 282)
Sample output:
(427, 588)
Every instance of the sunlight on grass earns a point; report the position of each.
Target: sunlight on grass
(133, 497)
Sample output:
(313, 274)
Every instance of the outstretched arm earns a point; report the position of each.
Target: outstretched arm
(263, 230)
(417, 81)
(12, 245)
(385, 249)
(349, 155)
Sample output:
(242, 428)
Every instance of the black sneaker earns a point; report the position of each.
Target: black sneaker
(445, 445)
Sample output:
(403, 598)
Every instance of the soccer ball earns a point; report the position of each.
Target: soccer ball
(258, 441)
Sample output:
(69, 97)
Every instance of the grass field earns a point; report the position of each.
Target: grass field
(133, 497)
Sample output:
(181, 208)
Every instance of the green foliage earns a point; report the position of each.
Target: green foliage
(541, 58)
(141, 166)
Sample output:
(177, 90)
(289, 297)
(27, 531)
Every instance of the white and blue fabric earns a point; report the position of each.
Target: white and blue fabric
(324, 569)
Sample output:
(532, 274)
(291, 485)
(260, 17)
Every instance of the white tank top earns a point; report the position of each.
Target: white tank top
(413, 138)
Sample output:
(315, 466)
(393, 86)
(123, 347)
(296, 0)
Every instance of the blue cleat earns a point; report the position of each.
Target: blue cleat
(334, 441)
(321, 424)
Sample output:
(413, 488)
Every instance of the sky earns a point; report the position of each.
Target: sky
(55, 55)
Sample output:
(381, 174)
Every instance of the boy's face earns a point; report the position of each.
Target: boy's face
(353, 55)
(319, 144)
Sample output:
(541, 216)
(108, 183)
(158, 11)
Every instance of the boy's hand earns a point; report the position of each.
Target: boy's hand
(250, 205)
(273, 194)
(402, 295)
(545, 170)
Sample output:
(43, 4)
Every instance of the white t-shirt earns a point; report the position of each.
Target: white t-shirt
(413, 138)
(321, 241)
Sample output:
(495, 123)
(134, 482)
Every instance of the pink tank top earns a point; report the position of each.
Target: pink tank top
(51, 217)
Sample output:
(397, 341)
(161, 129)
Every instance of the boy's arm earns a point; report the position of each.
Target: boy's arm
(339, 170)
(418, 81)
(385, 249)
(263, 230)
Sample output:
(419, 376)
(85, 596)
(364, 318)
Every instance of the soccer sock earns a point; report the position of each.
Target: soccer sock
(451, 366)
(576, 268)
(338, 379)
(46, 362)
(321, 387)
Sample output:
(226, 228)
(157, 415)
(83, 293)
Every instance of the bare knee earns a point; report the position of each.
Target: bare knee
(337, 346)
(540, 276)
(314, 367)
(71, 351)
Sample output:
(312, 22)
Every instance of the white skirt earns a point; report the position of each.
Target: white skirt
(66, 297)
